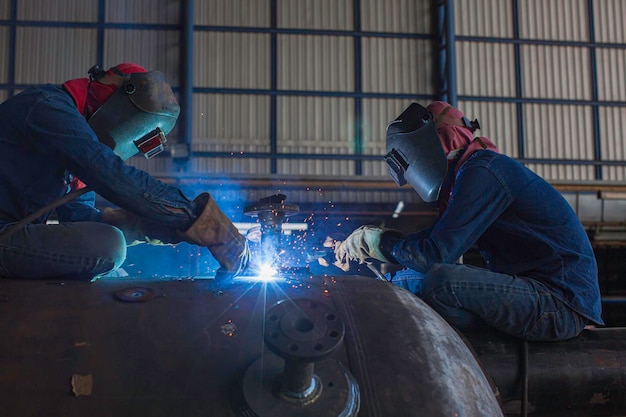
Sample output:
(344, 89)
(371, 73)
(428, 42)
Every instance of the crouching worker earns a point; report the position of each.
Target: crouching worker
(540, 280)
(76, 136)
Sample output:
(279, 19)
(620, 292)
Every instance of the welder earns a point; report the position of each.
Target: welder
(62, 144)
(539, 280)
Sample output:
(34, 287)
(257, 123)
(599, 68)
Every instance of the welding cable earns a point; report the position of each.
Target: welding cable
(28, 219)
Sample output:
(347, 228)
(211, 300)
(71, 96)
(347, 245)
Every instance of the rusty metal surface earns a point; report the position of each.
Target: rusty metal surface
(77, 349)
(583, 376)
(173, 355)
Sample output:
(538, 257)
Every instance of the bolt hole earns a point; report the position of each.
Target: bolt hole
(304, 325)
(331, 317)
(294, 348)
(334, 334)
(318, 346)
(331, 384)
(273, 317)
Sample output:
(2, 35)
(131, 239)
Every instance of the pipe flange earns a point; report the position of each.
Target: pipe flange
(303, 329)
(259, 209)
(272, 206)
(336, 391)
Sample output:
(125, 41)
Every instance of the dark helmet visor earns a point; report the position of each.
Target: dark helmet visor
(137, 116)
(415, 155)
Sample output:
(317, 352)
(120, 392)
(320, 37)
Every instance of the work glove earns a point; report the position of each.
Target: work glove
(362, 246)
(214, 230)
(211, 229)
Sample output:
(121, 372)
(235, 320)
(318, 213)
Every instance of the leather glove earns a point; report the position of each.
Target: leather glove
(214, 230)
(363, 246)
(211, 229)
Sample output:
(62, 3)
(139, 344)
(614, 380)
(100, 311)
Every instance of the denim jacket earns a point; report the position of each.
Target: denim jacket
(45, 141)
(521, 225)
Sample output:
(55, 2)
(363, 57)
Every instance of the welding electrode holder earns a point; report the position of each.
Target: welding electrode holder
(271, 212)
(299, 378)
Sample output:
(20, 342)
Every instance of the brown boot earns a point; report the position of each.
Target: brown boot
(220, 236)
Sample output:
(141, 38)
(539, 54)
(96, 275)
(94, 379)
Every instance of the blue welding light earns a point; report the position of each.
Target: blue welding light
(267, 272)
(264, 272)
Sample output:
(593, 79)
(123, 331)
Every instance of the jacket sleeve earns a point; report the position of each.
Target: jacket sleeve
(60, 130)
(477, 200)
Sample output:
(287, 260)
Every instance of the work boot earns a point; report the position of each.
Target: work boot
(219, 235)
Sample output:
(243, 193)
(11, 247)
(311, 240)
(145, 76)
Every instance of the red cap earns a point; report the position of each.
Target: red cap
(126, 68)
(98, 93)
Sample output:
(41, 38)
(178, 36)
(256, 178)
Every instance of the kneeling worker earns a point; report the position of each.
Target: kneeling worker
(59, 138)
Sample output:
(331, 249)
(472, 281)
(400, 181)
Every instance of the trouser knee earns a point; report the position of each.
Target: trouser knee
(440, 292)
(112, 250)
(438, 277)
(74, 250)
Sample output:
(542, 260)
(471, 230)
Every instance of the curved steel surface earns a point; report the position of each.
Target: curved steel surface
(76, 349)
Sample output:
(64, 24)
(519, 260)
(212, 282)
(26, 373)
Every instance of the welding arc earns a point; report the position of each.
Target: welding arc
(28, 219)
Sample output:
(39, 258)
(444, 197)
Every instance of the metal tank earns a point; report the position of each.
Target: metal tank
(281, 344)
(269, 344)
(289, 346)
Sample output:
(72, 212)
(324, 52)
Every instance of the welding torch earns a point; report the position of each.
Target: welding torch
(379, 275)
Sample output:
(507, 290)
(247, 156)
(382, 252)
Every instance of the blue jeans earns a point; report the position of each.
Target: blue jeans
(80, 250)
(468, 296)
(408, 279)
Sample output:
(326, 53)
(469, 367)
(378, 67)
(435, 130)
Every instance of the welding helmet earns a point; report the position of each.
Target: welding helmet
(137, 116)
(414, 152)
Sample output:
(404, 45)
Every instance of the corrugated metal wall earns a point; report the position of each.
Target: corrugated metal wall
(309, 81)
(305, 66)
(557, 72)
(5, 14)
(569, 93)
(610, 23)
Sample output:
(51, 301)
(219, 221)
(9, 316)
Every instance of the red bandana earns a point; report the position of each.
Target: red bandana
(455, 138)
(89, 96)
(78, 90)
(453, 133)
